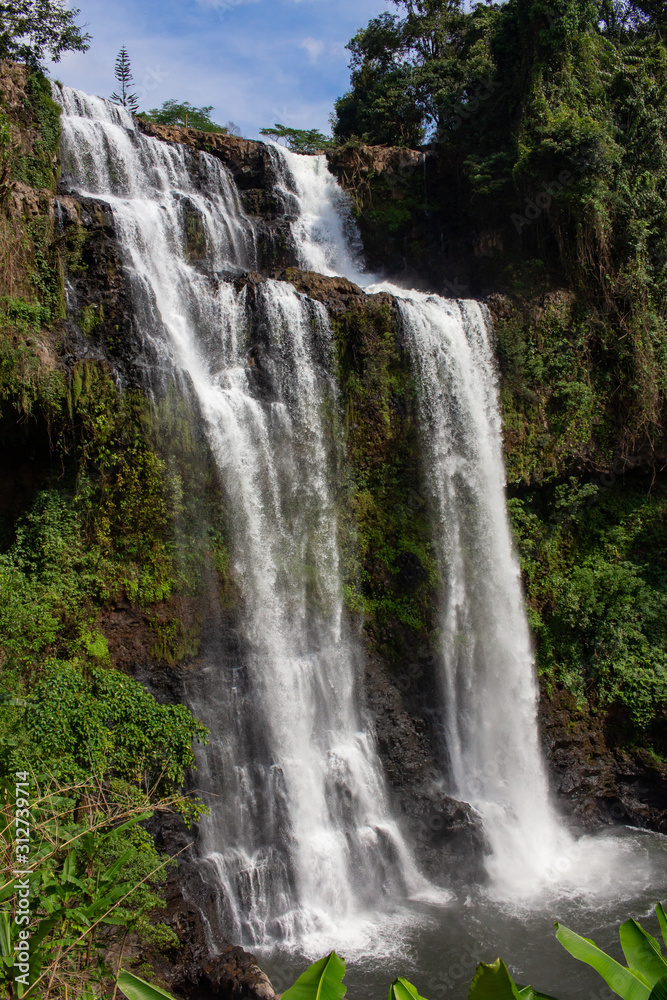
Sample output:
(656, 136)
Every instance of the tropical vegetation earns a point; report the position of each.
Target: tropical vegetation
(544, 136)
(173, 112)
(299, 140)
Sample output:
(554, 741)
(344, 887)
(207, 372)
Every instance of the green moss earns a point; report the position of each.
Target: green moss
(28, 386)
(38, 168)
(391, 576)
(387, 207)
(91, 317)
(47, 270)
(73, 244)
(175, 641)
(555, 398)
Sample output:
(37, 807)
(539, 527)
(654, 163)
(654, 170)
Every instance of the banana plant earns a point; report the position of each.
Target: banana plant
(494, 982)
(322, 980)
(138, 989)
(401, 989)
(644, 977)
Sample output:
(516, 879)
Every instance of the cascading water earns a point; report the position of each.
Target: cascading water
(489, 691)
(300, 837)
(488, 686)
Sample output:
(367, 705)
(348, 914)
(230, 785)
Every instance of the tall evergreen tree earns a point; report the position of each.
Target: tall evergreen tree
(123, 74)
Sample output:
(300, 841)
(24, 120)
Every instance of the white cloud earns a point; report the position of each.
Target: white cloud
(314, 47)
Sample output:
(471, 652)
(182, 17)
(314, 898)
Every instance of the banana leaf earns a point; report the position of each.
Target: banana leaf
(662, 920)
(627, 983)
(528, 993)
(660, 990)
(642, 952)
(493, 982)
(137, 989)
(322, 980)
(401, 989)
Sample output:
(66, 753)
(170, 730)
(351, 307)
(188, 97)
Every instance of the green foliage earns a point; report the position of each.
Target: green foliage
(56, 571)
(494, 982)
(138, 989)
(597, 598)
(401, 989)
(549, 129)
(323, 980)
(391, 573)
(93, 875)
(30, 30)
(416, 76)
(96, 717)
(300, 140)
(174, 112)
(37, 168)
(645, 976)
(555, 401)
(383, 105)
(26, 384)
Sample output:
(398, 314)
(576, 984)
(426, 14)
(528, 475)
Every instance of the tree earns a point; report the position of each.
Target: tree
(300, 140)
(32, 29)
(123, 74)
(412, 76)
(174, 112)
(383, 105)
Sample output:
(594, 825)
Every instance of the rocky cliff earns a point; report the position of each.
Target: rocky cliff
(74, 390)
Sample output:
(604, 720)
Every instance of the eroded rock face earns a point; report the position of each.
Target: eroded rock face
(100, 316)
(250, 163)
(204, 967)
(595, 783)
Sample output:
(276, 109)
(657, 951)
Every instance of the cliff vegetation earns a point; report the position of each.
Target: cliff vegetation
(537, 178)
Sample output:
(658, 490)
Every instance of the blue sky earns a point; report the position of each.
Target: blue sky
(256, 61)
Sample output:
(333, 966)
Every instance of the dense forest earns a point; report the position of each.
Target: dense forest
(539, 182)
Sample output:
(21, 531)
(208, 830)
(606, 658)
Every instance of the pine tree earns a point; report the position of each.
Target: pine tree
(123, 74)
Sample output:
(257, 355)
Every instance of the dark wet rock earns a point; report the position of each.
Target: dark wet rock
(250, 163)
(597, 783)
(447, 834)
(101, 320)
(204, 966)
(410, 570)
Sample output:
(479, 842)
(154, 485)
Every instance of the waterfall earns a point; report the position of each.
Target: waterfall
(300, 840)
(489, 692)
(301, 847)
(488, 687)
